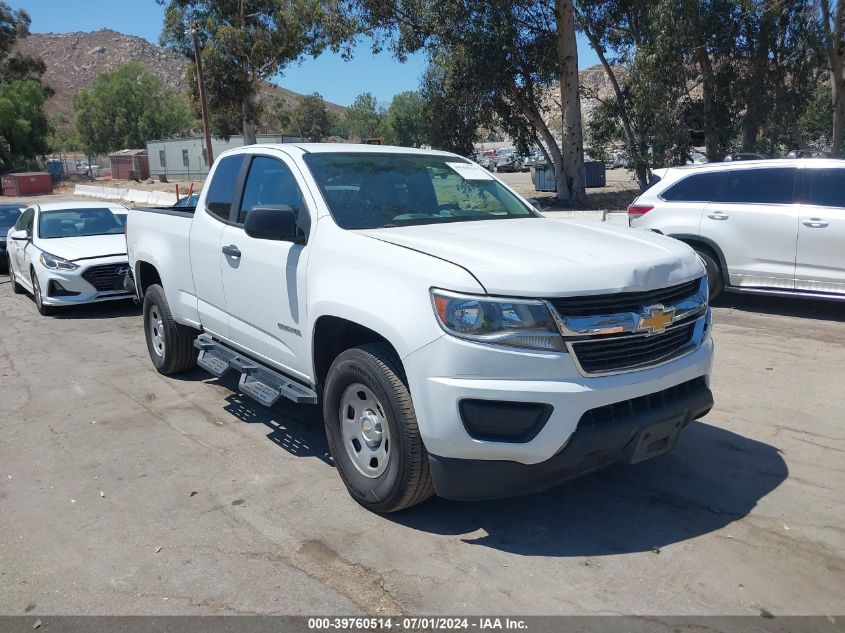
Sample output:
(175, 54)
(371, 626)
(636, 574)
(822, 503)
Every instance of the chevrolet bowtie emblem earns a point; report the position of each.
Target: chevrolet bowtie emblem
(655, 319)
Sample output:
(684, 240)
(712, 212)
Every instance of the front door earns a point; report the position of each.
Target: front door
(19, 249)
(755, 224)
(819, 263)
(263, 280)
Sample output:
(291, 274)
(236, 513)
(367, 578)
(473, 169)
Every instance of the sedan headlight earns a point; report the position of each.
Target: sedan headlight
(512, 322)
(56, 263)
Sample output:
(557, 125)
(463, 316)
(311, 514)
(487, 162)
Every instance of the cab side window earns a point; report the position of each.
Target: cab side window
(270, 182)
(221, 191)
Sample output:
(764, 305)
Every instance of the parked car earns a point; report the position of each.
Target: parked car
(458, 341)
(736, 156)
(68, 253)
(807, 153)
(9, 214)
(188, 201)
(507, 160)
(770, 226)
(696, 157)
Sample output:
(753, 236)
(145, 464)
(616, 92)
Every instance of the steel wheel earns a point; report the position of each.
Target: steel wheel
(365, 431)
(156, 327)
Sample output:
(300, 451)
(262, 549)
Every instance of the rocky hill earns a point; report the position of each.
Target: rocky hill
(74, 59)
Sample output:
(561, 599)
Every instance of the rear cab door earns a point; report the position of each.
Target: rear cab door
(819, 262)
(754, 222)
(210, 218)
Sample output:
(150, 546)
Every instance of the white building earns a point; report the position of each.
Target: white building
(185, 158)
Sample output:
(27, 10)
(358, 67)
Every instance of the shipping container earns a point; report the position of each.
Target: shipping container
(30, 183)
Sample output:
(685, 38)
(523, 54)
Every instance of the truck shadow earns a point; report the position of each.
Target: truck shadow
(783, 306)
(713, 478)
(298, 429)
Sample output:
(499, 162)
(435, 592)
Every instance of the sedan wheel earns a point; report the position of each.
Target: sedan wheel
(43, 310)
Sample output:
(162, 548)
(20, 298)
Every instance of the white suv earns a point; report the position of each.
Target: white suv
(769, 226)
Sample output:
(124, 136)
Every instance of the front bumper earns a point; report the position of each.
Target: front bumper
(70, 287)
(449, 371)
(627, 438)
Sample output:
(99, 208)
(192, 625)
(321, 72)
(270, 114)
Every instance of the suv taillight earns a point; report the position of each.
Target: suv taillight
(637, 210)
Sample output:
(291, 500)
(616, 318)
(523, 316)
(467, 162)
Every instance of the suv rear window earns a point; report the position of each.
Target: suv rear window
(772, 185)
(696, 188)
(826, 187)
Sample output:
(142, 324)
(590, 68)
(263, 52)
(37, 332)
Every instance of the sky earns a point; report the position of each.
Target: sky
(338, 81)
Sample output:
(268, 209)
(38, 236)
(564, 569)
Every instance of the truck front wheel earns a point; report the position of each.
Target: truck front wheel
(372, 430)
(171, 345)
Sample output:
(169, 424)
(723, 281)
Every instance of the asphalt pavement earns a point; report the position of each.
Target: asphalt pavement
(125, 492)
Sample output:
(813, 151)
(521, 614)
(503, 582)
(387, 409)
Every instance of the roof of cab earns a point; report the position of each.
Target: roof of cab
(344, 148)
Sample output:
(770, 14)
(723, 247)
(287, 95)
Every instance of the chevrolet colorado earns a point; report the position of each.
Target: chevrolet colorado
(458, 341)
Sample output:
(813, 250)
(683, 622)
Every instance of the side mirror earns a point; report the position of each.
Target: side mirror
(272, 222)
(20, 236)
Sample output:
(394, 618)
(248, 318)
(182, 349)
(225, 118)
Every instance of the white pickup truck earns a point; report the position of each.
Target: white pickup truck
(458, 341)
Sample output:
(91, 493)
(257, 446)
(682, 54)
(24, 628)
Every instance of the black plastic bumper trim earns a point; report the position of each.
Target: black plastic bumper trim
(630, 438)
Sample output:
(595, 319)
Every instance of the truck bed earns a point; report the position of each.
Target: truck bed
(160, 237)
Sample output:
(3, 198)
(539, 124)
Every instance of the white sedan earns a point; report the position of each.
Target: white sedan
(67, 253)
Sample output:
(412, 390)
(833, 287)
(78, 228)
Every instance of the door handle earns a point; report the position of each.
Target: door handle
(232, 251)
(816, 223)
(718, 216)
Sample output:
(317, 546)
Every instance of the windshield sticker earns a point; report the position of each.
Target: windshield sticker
(468, 171)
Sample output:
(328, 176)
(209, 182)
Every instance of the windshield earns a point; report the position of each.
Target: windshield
(78, 223)
(371, 191)
(8, 217)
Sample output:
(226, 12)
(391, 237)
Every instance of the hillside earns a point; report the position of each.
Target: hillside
(74, 59)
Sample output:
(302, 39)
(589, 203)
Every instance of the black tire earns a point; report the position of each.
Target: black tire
(170, 344)
(43, 310)
(16, 287)
(406, 481)
(715, 280)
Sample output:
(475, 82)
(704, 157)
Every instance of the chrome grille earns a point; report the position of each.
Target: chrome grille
(106, 277)
(633, 330)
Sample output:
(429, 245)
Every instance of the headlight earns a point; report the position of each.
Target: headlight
(56, 263)
(512, 322)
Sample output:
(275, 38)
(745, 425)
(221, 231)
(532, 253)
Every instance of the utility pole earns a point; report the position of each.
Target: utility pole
(206, 128)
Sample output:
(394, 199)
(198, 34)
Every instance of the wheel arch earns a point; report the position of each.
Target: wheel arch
(146, 274)
(332, 335)
(706, 244)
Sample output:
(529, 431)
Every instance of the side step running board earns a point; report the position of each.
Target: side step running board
(257, 381)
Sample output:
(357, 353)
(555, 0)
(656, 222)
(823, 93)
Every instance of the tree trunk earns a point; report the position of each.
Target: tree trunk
(248, 126)
(570, 174)
(832, 33)
(755, 93)
(837, 89)
(708, 94)
(640, 167)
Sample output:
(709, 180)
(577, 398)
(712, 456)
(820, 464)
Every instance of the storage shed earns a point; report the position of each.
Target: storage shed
(130, 164)
(29, 183)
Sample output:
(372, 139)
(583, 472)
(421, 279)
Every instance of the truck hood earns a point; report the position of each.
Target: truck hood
(89, 247)
(542, 257)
